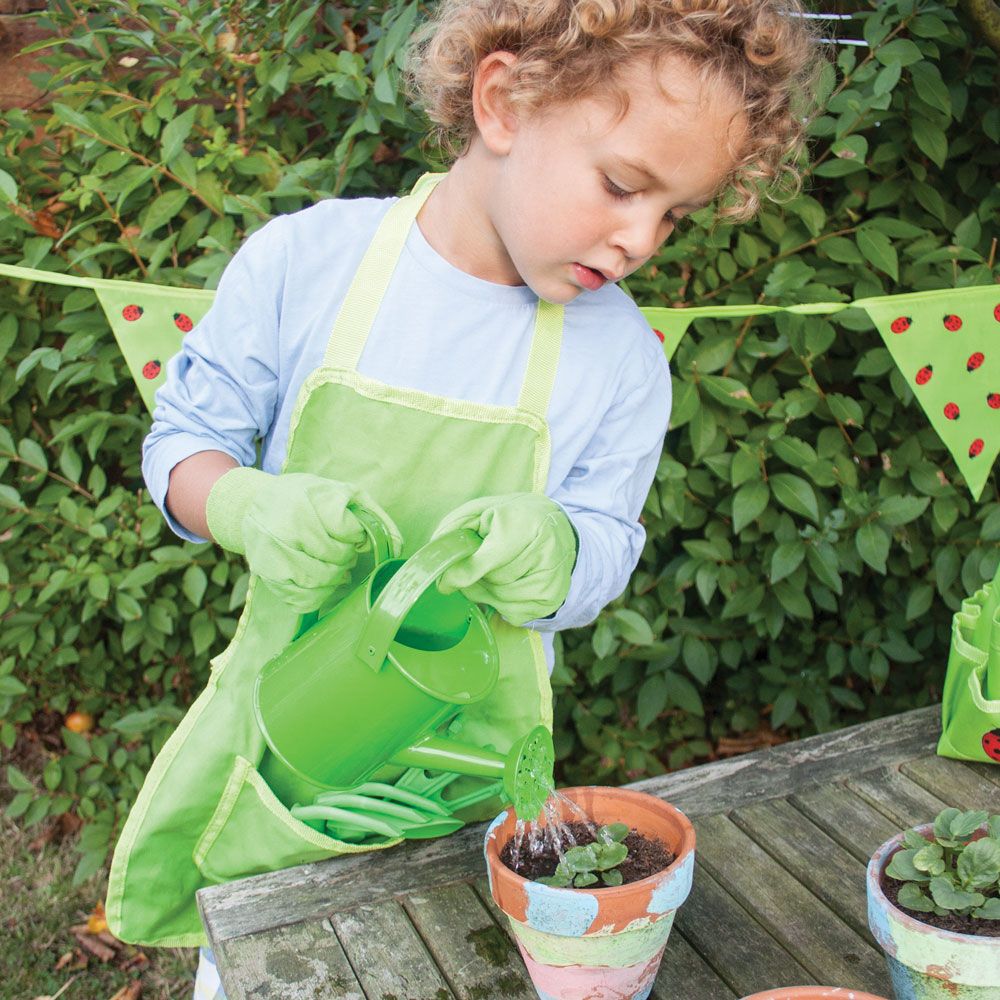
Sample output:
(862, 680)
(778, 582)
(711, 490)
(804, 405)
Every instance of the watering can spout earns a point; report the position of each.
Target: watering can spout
(526, 769)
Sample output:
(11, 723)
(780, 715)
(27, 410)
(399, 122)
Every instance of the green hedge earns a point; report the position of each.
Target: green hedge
(808, 538)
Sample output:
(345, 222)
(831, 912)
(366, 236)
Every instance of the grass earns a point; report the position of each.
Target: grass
(39, 955)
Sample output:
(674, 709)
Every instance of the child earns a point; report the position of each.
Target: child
(483, 371)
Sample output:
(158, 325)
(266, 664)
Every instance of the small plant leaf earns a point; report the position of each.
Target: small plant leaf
(949, 898)
(901, 867)
(913, 898)
(610, 856)
(964, 825)
(990, 910)
(914, 840)
(979, 864)
(584, 879)
(994, 827)
(581, 859)
(930, 859)
(942, 822)
(616, 832)
(614, 877)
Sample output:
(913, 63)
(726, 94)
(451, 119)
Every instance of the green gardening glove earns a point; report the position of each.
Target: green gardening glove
(524, 565)
(295, 530)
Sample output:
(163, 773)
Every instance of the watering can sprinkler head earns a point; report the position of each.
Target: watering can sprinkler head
(527, 779)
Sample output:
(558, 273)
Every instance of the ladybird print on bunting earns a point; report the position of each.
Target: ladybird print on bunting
(947, 346)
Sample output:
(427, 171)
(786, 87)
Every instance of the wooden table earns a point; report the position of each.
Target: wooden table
(779, 893)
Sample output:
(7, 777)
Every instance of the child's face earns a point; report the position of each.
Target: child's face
(571, 208)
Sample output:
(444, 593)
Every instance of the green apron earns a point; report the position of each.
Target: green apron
(204, 814)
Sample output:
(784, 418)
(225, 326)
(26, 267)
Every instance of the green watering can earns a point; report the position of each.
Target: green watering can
(370, 682)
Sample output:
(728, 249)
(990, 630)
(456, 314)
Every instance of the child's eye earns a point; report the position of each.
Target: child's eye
(614, 190)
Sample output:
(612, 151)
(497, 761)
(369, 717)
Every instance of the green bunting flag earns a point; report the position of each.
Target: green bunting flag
(946, 344)
(148, 321)
(941, 341)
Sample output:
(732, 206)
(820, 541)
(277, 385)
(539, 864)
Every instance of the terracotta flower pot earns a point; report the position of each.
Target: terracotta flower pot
(813, 993)
(602, 944)
(925, 962)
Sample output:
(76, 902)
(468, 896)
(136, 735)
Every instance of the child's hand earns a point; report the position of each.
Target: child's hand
(524, 565)
(295, 529)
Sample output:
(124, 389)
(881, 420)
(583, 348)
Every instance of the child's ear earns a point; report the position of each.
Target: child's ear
(496, 120)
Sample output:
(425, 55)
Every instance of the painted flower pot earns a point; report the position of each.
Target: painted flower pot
(813, 993)
(925, 962)
(602, 944)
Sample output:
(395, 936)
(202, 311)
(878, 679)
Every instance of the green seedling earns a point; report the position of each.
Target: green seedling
(597, 862)
(951, 873)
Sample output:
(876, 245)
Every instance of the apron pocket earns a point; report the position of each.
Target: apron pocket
(252, 832)
(971, 722)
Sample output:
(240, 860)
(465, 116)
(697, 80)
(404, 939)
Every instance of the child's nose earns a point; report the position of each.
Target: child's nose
(640, 236)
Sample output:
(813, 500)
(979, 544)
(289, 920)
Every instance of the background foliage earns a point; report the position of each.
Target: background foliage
(808, 539)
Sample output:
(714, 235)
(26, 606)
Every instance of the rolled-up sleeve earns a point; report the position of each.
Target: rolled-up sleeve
(221, 388)
(604, 494)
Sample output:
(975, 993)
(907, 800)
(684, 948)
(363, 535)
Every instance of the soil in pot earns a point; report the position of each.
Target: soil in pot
(646, 855)
(953, 922)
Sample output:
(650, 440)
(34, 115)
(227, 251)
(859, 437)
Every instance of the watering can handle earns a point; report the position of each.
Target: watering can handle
(381, 541)
(383, 549)
(421, 570)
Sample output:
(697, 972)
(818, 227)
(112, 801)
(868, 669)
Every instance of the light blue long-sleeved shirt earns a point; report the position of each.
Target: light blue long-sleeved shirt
(441, 331)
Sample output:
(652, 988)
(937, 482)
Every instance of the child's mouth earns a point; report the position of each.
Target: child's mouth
(590, 279)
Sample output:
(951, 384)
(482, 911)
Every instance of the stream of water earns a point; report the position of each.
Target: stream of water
(550, 829)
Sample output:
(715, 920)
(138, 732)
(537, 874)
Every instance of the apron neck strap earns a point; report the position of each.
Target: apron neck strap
(364, 298)
(540, 375)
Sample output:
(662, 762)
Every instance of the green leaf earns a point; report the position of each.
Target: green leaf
(795, 494)
(581, 859)
(616, 831)
(899, 50)
(930, 139)
(979, 863)
(900, 510)
(614, 878)
(8, 186)
(784, 707)
(584, 879)
(901, 867)
(163, 209)
(633, 627)
(948, 897)
(872, 544)
(878, 251)
(911, 897)
(749, 502)
(175, 134)
(965, 824)
(929, 859)
(609, 855)
(786, 559)
(990, 910)
(17, 780)
(930, 87)
(194, 584)
(651, 700)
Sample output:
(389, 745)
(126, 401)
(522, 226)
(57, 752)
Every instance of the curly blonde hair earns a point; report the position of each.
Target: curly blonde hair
(577, 48)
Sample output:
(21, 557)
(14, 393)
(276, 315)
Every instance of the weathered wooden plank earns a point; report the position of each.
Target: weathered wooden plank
(991, 772)
(387, 954)
(847, 818)
(684, 975)
(954, 782)
(803, 849)
(892, 793)
(297, 963)
(311, 891)
(825, 945)
(730, 940)
(477, 958)
(781, 770)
